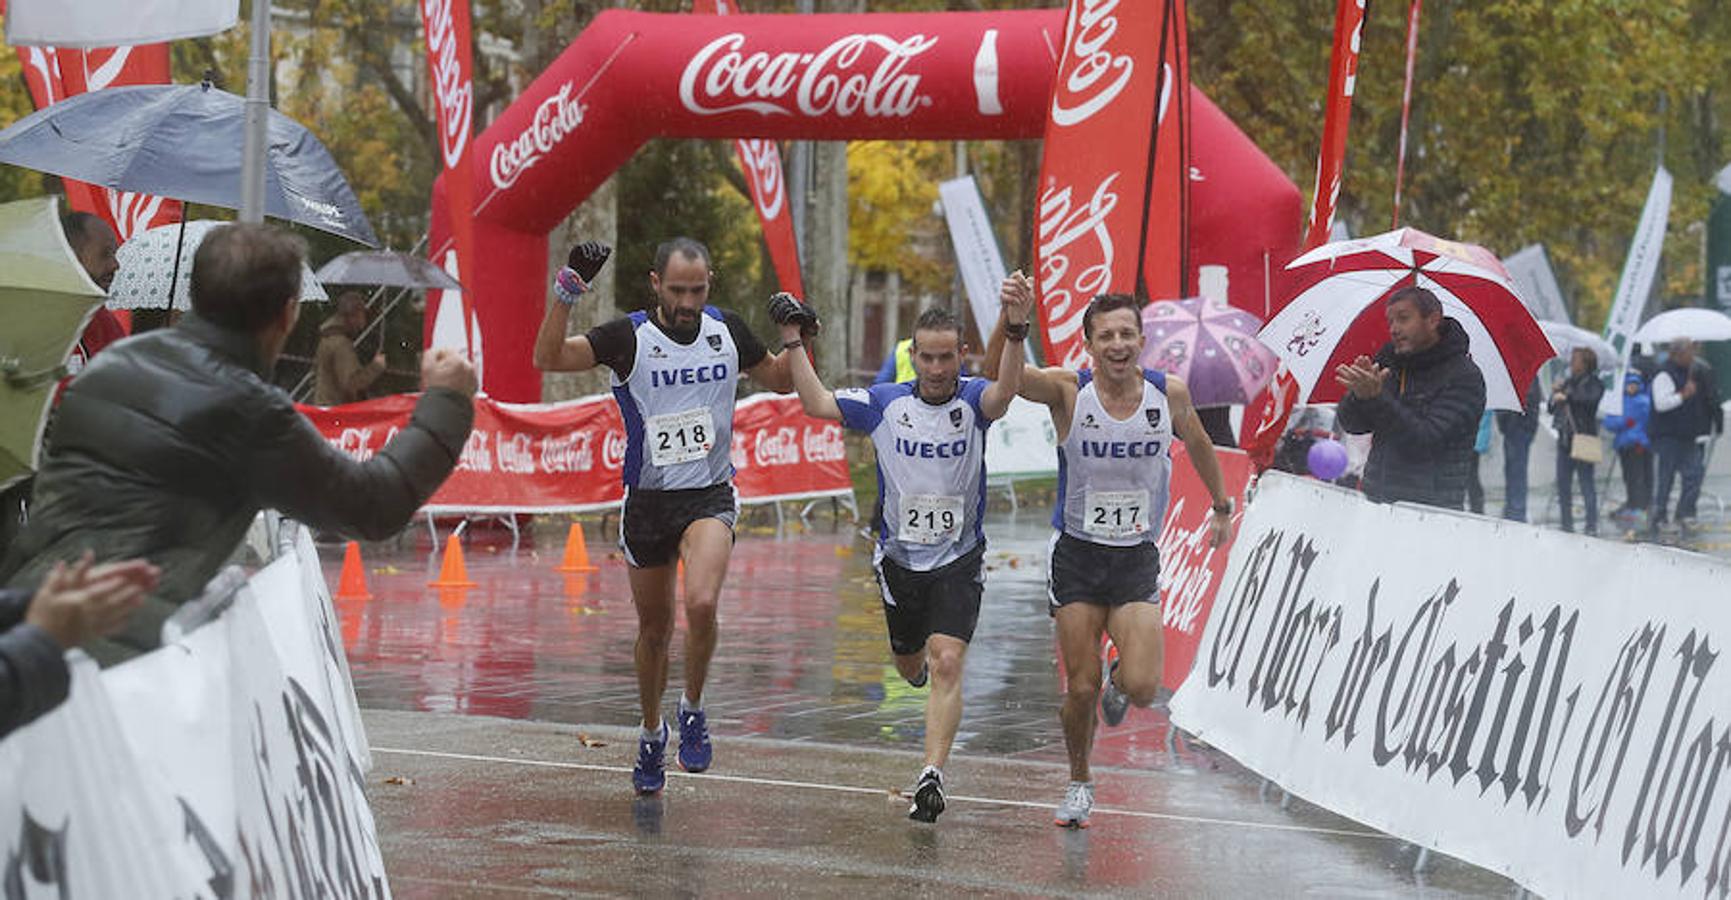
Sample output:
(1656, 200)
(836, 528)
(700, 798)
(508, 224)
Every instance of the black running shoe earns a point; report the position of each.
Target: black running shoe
(928, 796)
(1113, 702)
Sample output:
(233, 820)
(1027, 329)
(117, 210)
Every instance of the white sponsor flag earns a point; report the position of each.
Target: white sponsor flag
(1636, 285)
(977, 252)
(111, 23)
(1536, 283)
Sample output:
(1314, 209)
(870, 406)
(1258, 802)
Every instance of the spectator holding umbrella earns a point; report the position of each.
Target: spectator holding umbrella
(1574, 410)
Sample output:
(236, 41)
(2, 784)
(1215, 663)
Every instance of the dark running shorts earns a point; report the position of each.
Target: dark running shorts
(945, 600)
(654, 522)
(1086, 572)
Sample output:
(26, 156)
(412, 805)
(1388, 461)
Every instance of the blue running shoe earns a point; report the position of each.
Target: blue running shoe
(650, 775)
(694, 748)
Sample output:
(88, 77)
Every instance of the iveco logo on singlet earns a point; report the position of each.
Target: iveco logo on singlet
(1120, 449)
(694, 375)
(931, 450)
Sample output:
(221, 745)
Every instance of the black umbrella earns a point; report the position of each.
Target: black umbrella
(185, 142)
(388, 268)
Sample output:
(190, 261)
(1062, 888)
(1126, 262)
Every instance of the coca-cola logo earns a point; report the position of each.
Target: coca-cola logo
(453, 89)
(476, 455)
(133, 213)
(556, 117)
(355, 443)
(566, 453)
(1097, 75)
(613, 450)
(1066, 285)
(763, 163)
(776, 447)
(722, 78)
(824, 444)
(1189, 566)
(516, 453)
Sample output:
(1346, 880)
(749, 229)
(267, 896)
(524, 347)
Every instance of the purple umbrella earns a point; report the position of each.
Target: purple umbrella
(1213, 347)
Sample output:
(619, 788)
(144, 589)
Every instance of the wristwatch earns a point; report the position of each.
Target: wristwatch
(1224, 507)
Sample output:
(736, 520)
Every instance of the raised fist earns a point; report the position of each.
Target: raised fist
(587, 258)
(786, 309)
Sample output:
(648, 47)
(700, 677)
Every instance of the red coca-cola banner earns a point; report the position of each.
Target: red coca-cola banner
(1095, 174)
(53, 74)
(1164, 270)
(567, 457)
(760, 160)
(446, 23)
(1331, 160)
(633, 76)
(1190, 570)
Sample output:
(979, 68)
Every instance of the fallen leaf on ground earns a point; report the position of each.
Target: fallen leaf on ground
(399, 779)
(588, 741)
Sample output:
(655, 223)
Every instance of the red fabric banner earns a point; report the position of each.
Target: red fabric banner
(1190, 570)
(451, 69)
(53, 74)
(1342, 81)
(1165, 270)
(760, 160)
(1099, 131)
(566, 457)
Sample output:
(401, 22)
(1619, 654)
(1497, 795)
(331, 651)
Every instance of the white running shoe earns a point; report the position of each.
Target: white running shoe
(1078, 802)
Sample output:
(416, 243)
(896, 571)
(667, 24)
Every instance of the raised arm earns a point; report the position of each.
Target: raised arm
(1188, 426)
(795, 320)
(1039, 385)
(1016, 295)
(554, 352)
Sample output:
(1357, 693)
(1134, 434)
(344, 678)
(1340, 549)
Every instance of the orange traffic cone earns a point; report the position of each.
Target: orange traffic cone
(353, 583)
(453, 573)
(576, 552)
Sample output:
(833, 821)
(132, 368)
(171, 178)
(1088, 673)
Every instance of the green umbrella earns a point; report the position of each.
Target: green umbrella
(45, 301)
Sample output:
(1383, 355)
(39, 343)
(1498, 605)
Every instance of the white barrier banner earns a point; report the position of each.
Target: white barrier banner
(1544, 705)
(1022, 444)
(228, 764)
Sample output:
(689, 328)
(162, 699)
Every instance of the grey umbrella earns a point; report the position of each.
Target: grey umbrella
(184, 141)
(384, 267)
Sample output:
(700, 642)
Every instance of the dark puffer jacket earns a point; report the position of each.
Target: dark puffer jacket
(169, 443)
(1423, 422)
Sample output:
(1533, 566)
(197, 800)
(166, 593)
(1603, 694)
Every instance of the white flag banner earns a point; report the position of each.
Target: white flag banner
(229, 763)
(1544, 705)
(977, 251)
(114, 23)
(1022, 444)
(1636, 285)
(1536, 283)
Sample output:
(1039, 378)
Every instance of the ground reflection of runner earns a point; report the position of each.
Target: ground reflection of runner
(1115, 423)
(675, 368)
(929, 434)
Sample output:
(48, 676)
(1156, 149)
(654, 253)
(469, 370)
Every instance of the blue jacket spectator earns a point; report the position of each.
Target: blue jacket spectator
(1630, 428)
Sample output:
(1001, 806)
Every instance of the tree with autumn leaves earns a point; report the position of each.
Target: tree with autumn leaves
(1533, 121)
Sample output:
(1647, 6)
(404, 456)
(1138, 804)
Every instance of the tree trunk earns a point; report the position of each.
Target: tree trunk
(827, 279)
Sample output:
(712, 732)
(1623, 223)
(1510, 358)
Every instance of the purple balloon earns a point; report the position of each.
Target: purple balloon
(1327, 459)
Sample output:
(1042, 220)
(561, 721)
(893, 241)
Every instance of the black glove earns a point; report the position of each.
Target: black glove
(587, 258)
(786, 309)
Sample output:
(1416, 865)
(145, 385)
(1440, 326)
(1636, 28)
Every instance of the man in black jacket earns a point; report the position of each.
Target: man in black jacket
(169, 443)
(1685, 409)
(74, 603)
(1421, 400)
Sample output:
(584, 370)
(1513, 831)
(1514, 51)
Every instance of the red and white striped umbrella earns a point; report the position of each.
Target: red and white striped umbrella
(1337, 311)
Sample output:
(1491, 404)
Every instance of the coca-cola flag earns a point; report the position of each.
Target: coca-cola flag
(451, 70)
(1164, 270)
(53, 74)
(760, 160)
(1099, 147)
(1191, 569)
(1342, 81)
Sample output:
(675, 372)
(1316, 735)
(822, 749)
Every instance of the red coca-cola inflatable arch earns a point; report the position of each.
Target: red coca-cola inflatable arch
(634, 76)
